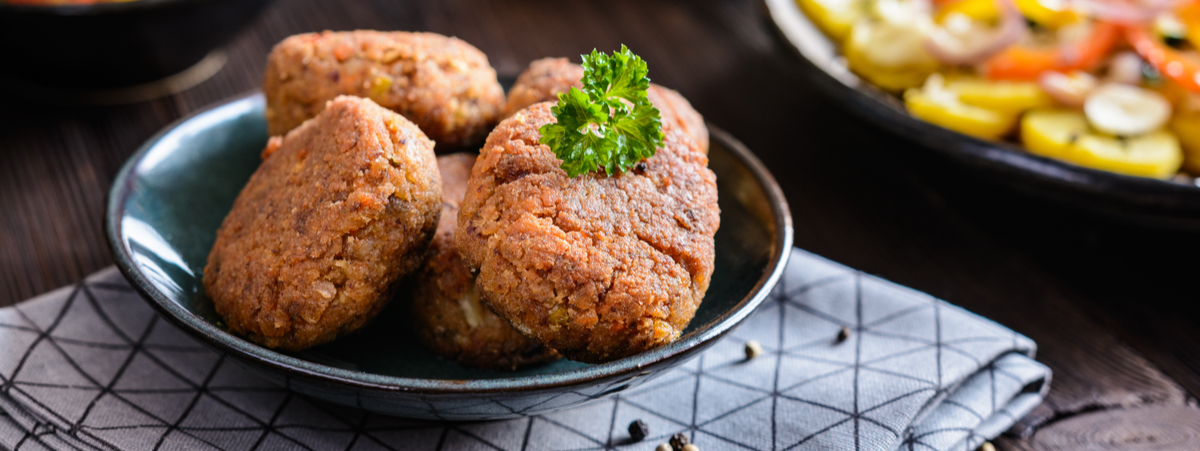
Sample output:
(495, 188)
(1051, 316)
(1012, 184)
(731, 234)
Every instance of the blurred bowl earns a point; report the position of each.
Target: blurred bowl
(1153, 203)
(107, 46)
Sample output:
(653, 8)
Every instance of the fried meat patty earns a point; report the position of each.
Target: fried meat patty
(547, 77)
(596, 267)
(442, 84)
(542, 81)
(677, 111)
(449, 317)
(338, 211)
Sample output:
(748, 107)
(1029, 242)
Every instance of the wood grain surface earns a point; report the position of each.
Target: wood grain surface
(1113, 307)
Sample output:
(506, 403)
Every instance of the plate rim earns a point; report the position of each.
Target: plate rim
(239, 348)
(1127, 194)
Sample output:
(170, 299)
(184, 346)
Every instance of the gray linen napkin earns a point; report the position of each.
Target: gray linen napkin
(92, 366)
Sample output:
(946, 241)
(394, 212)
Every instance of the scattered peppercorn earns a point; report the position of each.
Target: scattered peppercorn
(678, 441)
(843, 334)
(691, 447)
(640, 168)
(638, 430)
(753, 349)
(663, 447)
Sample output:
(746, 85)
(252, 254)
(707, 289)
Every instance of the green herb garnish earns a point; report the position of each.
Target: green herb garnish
(610, 124)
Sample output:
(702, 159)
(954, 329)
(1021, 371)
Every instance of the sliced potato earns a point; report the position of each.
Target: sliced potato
(1052, 133)
(978, 10)
(1155, 154)
(834, 17)
(1009, 96)
(939, 106)
(889, 51)
(1065, 135)
(1047, 13)
(1051, 14)
(1186, 125)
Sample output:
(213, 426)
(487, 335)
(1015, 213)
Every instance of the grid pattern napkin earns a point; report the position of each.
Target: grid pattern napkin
(93, 366)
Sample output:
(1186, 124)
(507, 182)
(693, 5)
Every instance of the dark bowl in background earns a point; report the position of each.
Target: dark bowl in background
(1144, 202)
(114, 45)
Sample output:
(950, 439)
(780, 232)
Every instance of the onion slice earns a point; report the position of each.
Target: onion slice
(1125, 68)
(958, 50)
(1122, 12)
(1068, 90)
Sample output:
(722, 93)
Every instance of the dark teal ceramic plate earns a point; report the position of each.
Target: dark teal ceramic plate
(169, 199)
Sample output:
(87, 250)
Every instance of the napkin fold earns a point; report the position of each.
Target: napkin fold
(849, 361)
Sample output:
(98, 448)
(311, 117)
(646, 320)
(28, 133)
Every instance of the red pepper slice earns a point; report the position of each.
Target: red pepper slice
(1172, 63)
(1026, 64)
(1189, 12)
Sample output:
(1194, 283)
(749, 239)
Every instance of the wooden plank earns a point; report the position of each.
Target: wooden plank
(859, 196)
(1174, 428)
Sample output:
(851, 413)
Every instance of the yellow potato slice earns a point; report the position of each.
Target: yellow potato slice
(1051, 14)
(1186, 126)
(888, 53)
(960, 117)
(833, 17)
(1155, 154)
(1010, 96)
(1065, 135)
(1052, 133)
(978, 10)
(1047, 13)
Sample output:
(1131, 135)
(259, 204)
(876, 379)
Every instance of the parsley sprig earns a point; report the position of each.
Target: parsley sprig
(610, 124)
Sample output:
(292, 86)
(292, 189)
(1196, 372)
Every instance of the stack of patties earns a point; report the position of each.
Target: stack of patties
(514, 262)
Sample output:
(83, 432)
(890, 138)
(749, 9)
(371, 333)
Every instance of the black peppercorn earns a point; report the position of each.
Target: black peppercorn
(753, 349)
(638, 430)
(640, 168)
(843, 334)
(678, 441)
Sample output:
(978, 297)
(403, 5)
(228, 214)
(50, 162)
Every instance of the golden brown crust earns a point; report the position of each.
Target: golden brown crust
(596, 267)
(541, 82)
(442, 84)
(340, 209)
(547, 77)
(450, 319)
(677, 111)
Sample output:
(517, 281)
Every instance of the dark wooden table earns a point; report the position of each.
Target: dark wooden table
(1115, 309)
